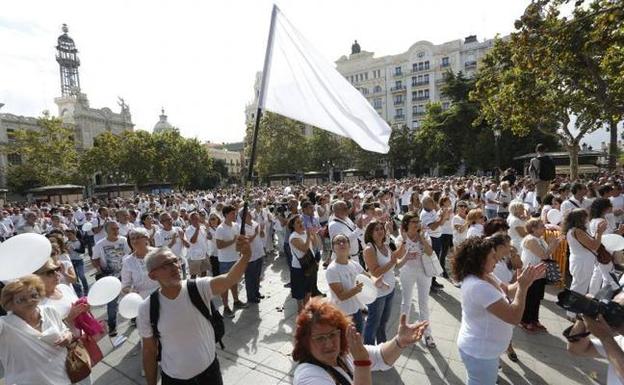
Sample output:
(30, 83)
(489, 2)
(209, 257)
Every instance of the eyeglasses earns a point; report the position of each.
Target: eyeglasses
(172, 262)
(323, 338)
(33, 296)
(341, 241)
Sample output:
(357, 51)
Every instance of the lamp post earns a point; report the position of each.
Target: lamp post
(497, 135)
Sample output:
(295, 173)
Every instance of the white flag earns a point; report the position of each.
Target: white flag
(302, 85)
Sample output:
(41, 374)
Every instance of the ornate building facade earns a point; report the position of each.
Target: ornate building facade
(73, 109)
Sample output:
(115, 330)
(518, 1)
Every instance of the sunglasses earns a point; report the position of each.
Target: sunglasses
(34, 296)
(341, 241)
(52, 272)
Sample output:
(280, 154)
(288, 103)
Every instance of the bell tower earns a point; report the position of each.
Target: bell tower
(67, 57)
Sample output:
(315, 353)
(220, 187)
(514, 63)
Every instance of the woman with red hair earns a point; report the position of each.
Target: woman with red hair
(330, 351)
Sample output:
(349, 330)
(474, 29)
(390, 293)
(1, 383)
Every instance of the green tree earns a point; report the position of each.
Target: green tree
(548, 70)
(49, 156)
(281, 146)
(401, 151)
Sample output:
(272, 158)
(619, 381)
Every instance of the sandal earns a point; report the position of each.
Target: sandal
(540, 327)
(429, 342)
(529, 328)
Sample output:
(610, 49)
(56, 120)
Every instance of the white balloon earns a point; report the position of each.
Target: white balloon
(88, 226)
(23, 254)
(103, 291)
(613, 242)
(369, 291)
(129, 305)
(554, 216)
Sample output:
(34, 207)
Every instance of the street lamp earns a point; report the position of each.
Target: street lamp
(497, 135)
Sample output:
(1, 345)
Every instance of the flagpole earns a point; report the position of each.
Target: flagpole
(254, 143)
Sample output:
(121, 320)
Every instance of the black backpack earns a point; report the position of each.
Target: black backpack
(215, 318)
(546, 168)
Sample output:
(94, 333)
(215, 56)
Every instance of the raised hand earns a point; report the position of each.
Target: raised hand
(530, 274)
(356, 345)
(410, 333)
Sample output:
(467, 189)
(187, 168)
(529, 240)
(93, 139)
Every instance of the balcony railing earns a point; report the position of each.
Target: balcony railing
(420, 98)
(415, 70)
(470, 64)
(399, 117)
(397, 74)
(418, 84)
(445, 65)
(399, 102)
(398, 89)
(419, 113)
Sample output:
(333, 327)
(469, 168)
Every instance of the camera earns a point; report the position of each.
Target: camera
(612, 312)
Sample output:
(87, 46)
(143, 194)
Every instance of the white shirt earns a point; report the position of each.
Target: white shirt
(27, 358)
(199, 249)
(125, 228)
(112, 252)
(516, 238)
(296, 253)
(427, 218)
(612, 377)
(134, 275)
(347, 228)
(482, 334)
(527, 256)
(257, 245)
(344, 275)
(457, 236)
(490, 196)
(227, 233)
(163, 238)
(309, 374)
(475, 230)
(572, 203)
(186, 336)
(61, 305)
(577, 250)
(447, 226)
(388, 276)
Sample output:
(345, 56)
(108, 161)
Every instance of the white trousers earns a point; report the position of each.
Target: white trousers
(600, 277)
(581, 270)
(410, 276)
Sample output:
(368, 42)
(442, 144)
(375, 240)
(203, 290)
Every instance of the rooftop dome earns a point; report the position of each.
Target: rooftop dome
(162, 125)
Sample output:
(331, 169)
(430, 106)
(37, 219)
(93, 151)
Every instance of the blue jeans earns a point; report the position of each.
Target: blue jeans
(490, 213)
(252, 280)
(358, 320)
(111, 311)
(82, 288)
(378, 315)
(481, 371)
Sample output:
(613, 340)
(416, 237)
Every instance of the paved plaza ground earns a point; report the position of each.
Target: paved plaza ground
(258, 343)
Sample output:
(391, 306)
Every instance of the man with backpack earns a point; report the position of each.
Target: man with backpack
(542, 172)
(179, 325)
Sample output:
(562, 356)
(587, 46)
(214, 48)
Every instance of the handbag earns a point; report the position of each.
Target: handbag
(78, 362)
(95, 353)
(431, 265)
(553, 273)
(308, 263)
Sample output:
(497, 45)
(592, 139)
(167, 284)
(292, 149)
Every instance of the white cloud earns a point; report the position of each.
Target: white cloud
(198, 58)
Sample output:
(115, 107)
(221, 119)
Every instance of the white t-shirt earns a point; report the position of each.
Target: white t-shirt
(134, 275)
(482, 334)
(427, 218)
(199, 249)
(528, 257)
(124, 229)
(475, 230)
(257, 245)
(344, 275)
(457, 236)
(27, 358)
(502, 272)
(309, 374)
(186, 336)
(612, 377)
(516, 238)
(388, 276)
(447, 226)
(296, 253)
(227, 233)
(61, 305)
(112, 252)
(163, 238)
(490, 196)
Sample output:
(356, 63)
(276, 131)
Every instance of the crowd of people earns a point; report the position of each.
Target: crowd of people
(181, 252)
